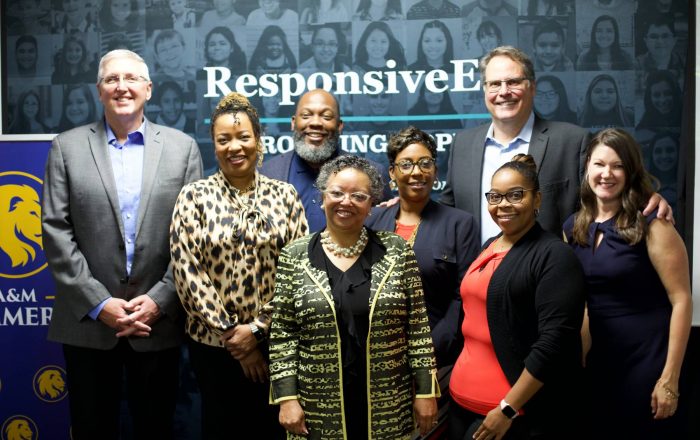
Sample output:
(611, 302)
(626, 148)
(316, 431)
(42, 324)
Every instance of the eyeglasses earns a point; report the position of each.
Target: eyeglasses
(339, 196)
(113, 80)
(511, 84)
(663, 36)
(514, 196)
(325, 44)
(549, 94)
(406, 166)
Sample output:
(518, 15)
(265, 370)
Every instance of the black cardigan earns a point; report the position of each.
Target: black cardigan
(534, 309)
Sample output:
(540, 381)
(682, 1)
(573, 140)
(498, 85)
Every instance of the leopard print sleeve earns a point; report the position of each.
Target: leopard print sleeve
(193, 284)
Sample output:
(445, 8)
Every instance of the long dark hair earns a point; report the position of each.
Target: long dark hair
(563, 111)
(236, 59)
(342, 43)
(20, 123)
(395, 51)
(65, 124)
(260, 53)
(652, 117)
(449, 49)
(393, 7)
(639, 186)
(619, 57)
(591, 118)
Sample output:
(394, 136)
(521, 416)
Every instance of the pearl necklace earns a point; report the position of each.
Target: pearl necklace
(347, 252)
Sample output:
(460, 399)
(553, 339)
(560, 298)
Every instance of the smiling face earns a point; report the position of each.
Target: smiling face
(317, 126)
(665, 154)
(77, 107)
(235, 147)
(347, 216)
(74, 53)
(434, 45)
(170, 106)
(75, 10)
(549, 49)
(514, 219)
(325, 46)
(218, 48)
(662, 97)
(546, 99)
(169, 53)
(606, 175)
(508, 105)
(30, 106)
(417, 184)
(379, 104)
(124, 100)
(270, 7)
(177, 6)
(659, 41)
(26, 55)
(377, 44)
(603, 96)
(121, 10)
(604, 34)
(275, 47)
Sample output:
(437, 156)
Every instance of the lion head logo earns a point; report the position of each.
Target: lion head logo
(20, 223)
(19, 428)
(50, 383)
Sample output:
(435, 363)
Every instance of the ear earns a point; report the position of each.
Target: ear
(392, 173)
(340, 126)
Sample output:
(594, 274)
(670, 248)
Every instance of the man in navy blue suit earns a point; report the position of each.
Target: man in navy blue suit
(317, 126)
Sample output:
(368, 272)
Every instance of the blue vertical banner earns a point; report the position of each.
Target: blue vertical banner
(33, 391)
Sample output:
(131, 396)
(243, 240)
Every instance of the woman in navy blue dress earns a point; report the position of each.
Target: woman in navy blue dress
(638, 295)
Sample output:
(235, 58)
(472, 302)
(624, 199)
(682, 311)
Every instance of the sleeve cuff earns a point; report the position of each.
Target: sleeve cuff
(427, 384)
(95, 313)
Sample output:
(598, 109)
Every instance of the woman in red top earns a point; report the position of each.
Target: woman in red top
(523, 299)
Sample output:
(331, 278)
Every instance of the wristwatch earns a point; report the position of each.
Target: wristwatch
(508, 410)
(259, 334)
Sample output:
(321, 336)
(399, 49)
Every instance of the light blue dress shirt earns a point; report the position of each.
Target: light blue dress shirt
(127, 167)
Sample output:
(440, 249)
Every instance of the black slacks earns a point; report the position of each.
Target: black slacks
(231, 404)
(95, 390)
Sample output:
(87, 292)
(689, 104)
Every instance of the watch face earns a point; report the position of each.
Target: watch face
(508, 411)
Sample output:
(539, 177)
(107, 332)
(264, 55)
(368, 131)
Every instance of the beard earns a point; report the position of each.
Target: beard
(316, 155)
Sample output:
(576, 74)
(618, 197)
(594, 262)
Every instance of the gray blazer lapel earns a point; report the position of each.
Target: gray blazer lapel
(97, 139)
(153, 147)
(538, 142)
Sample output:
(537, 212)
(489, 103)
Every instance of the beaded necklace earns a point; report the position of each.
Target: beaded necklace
(347, 252)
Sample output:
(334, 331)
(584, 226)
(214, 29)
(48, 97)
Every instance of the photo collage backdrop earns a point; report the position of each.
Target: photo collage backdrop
(599, 63)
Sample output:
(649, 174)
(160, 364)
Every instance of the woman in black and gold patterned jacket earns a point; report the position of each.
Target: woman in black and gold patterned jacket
(350, 349)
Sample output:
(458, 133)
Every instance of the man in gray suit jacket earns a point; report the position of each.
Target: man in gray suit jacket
(559, 148)
(109, 193)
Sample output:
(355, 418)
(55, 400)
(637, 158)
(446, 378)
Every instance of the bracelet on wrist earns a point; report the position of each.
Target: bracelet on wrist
(671, 394)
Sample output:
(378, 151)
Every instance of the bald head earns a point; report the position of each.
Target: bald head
(317, 126)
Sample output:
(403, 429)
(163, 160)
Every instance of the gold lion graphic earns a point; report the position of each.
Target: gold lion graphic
(18, 430)
(51, 383)
(20, 222)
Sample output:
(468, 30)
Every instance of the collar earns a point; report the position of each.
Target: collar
(524, 135)
(135, 137)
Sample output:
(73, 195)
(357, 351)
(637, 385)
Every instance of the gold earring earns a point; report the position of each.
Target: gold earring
(392, 185)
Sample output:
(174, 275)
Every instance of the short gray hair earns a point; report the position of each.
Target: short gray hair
(121, 53)
(334, 166)
(514, 54)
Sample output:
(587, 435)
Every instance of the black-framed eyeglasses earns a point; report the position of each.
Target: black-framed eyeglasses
(339, 196)
(511, 84)
(425, 164)
(513, 196)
